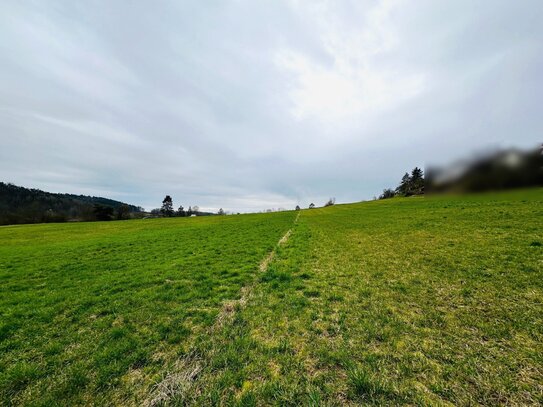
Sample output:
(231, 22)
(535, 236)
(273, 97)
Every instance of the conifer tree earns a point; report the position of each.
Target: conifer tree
(417, 181)
(403, 188)
(167, 206)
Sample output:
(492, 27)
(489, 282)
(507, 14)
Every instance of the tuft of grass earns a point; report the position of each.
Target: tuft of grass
(365, 385)
(312, 293)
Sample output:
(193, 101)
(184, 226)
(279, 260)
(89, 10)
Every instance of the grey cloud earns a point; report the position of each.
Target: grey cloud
(135, 100)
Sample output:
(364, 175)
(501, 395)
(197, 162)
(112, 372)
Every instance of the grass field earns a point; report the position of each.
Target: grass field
(91, 312)
(418, 301)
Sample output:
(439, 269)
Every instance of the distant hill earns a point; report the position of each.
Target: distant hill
(23, 205)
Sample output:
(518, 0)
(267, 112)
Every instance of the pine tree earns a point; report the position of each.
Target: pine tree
(167, 206)
(403, 188)
(181, 211)
(417, 181)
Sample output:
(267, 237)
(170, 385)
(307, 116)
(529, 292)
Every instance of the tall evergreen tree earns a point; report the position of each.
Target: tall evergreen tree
(181, 211)
(167, 206)
(417, 181)
(403, 188)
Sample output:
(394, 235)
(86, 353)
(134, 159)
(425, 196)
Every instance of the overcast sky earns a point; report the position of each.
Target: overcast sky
(249, 105)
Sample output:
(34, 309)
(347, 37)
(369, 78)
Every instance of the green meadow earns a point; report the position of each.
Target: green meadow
(91, 313)
(404, 301)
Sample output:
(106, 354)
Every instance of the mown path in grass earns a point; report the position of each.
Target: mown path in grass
(182, 381)
(93, 313)
(428, 301)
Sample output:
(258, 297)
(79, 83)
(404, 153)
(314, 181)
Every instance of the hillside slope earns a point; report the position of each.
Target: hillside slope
(416, 301)
(23, 205)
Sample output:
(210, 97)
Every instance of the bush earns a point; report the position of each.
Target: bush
(330, 202)
(387, 193)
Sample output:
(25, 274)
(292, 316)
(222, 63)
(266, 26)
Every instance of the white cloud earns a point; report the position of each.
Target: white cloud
(354, 83)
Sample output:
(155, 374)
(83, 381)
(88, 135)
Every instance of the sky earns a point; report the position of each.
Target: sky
(249, 105)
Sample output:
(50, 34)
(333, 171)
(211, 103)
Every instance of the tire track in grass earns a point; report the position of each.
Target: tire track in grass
(180, 380)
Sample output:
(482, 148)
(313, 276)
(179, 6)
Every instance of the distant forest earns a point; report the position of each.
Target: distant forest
(411, 184)
(23, 205)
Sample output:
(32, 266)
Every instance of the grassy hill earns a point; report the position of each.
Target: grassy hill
(426, 300)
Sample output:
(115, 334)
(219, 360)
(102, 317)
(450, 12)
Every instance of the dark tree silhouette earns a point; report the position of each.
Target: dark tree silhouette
(123, 212)
(330, 202)
(103, 212)
(387, 193)
(297, 207)
(221, 212)
(417, 182)
(404, 187)
(311, 205)
(181, 211)
(167, 206)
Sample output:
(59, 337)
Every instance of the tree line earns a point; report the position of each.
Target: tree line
(410, 184)
(167, 210)
(19, 205)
